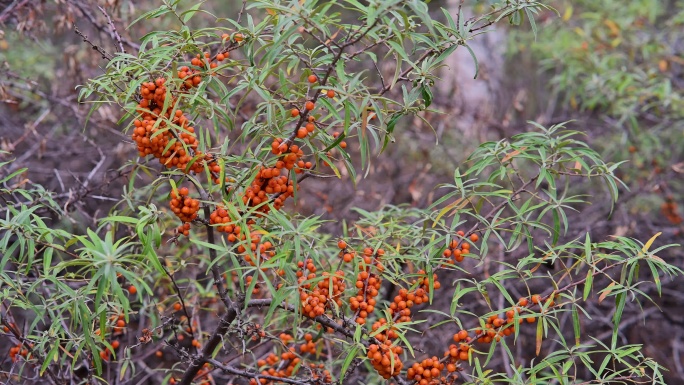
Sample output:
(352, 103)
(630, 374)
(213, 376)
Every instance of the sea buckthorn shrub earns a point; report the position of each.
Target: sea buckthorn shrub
(206, 272)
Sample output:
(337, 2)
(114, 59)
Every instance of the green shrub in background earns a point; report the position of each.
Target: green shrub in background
(618, 67)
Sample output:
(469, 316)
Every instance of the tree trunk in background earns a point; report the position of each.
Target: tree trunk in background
(473, 104)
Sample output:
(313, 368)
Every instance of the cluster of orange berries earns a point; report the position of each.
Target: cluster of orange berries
(308, 128)
(428, 372)
(670, 211)
(270, 181)
(203, 375)
(192, 77)
(345, 254)
(456, 251)
(118, 328)
(183, 229)
(497, 327)
(451, 357)
(493, 330)
(105, 354)
(152, 134)
(309, 346)
(183, 206)
(368, 284)
(255, 331)
(286, 362)
(364, 302)
(221, 218)
(403, 302)
(316, 298)
(291, 157)
(385, 358)
(248, 282)
(388, 334)
(18, 351)
(215, 169)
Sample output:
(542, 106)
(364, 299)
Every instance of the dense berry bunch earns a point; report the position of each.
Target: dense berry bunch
(457, 249)
(154, 136)
(389, 332)
(183, 229)
(426, 372)
(276, 366)
(271, 181)
(183, 206)
(368, 285)
(385, 358)
(347, 255)
(315, 296)
(405, 300)
(18, 351)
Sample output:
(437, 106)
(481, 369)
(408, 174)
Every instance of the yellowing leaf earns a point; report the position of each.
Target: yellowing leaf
(568, 13)
(606, 292)
(612, 26)
(539, 335)
(578, 166)
(650, 242)
(457, 205)
(512, 154)
(270, 11)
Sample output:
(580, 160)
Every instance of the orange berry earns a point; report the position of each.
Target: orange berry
(474, 237)
(132, 289)
(177, 306)
(331, 94)
(342, 244)
(309, 105)
(115, 344)
(536, 298)
(294, 112)
(522, 301)
(313, 79)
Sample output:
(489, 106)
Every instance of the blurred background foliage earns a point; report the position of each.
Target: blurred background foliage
(615, 67)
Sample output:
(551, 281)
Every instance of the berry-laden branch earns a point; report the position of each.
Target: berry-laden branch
(258, 376)
(321, 319)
